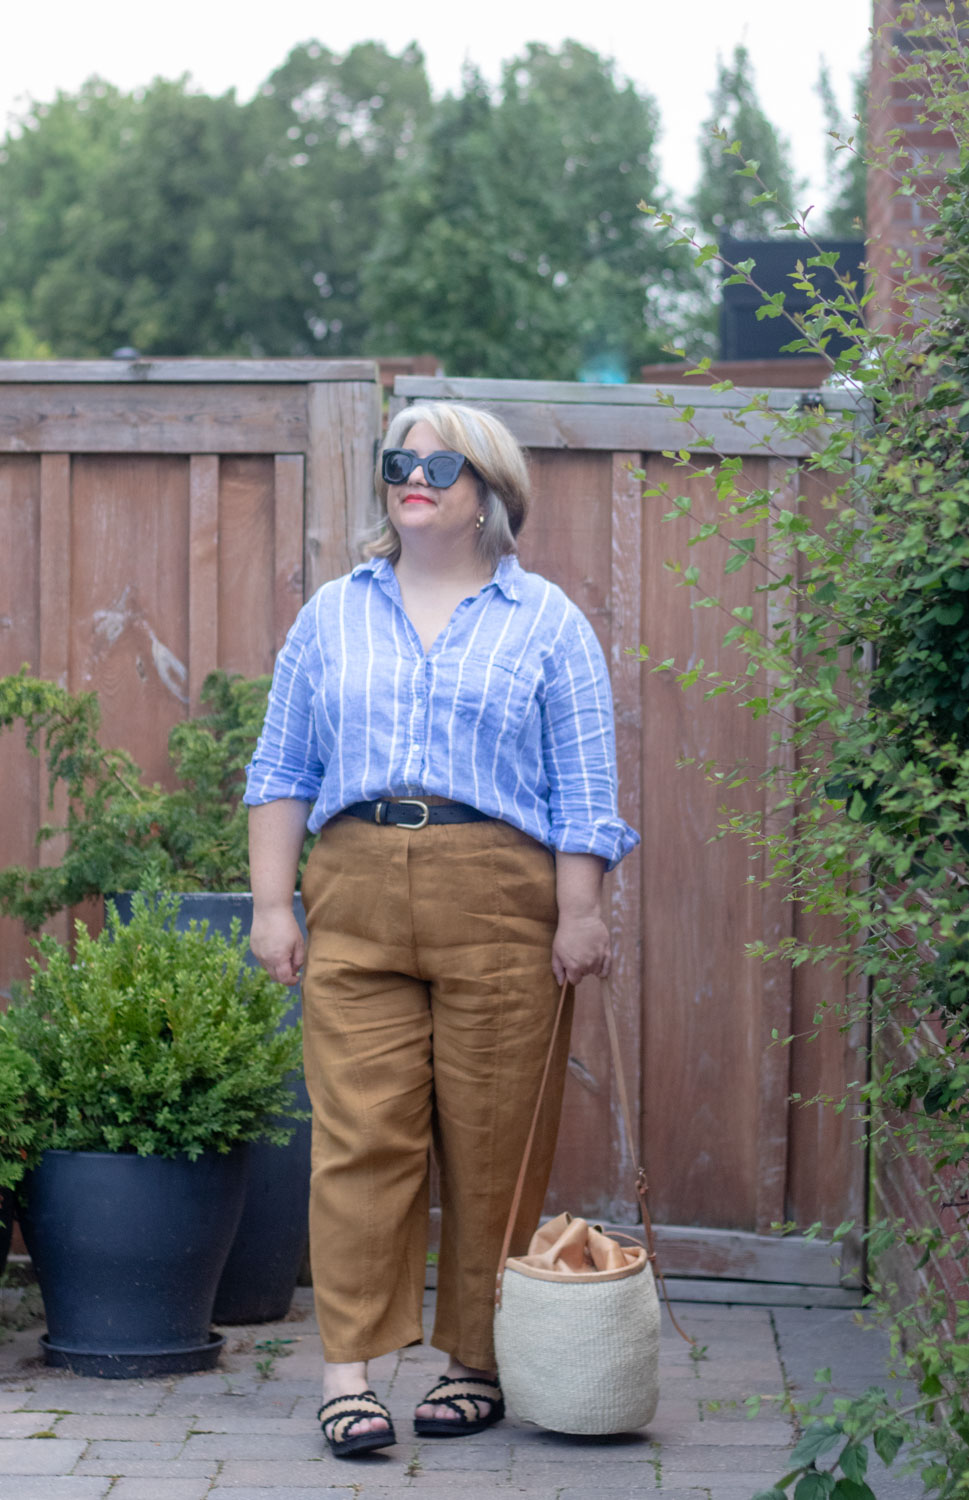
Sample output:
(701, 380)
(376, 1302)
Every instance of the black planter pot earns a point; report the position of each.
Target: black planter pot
(128, 1252)
(7, 1209)
(260, 1274)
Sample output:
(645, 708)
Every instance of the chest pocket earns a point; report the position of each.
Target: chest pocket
(499, 699)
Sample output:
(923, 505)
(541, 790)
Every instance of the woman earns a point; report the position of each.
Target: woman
(443, 721)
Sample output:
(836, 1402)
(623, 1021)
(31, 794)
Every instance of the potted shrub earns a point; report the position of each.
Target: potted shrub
(157, 1054)
(123, 834)
(20, 1131)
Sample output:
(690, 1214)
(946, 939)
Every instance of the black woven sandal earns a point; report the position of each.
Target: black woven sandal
(336, 1416)
(462, 1394)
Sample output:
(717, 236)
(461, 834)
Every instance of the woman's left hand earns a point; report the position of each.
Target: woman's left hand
(581, 947)
(581, 943)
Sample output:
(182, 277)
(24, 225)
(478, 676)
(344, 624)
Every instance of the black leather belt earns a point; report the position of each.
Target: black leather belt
(411, 812)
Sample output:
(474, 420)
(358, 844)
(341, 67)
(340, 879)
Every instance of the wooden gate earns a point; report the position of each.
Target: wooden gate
(727, 1152)
(161, 518)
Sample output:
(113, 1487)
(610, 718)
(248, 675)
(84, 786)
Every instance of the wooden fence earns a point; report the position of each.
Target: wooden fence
(169, 517)
(727, 1153)
(164, 518)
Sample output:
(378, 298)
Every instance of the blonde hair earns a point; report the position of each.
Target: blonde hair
(501, 472)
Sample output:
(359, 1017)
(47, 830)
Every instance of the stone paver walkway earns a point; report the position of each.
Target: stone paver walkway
(248, 1430)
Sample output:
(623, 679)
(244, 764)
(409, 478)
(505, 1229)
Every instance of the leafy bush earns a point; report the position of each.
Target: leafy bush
(19, 1128)
(154, 1041)
(122, 833)
(863, 666)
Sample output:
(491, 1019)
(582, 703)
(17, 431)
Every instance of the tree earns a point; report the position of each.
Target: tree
(512, 245)
(346, 126)
(723, 202)
(182, 223)
(844, 150)
(46, 171)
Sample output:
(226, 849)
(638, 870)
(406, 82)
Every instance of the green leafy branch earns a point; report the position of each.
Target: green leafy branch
(120, 831)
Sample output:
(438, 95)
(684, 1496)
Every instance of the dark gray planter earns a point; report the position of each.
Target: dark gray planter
(260, 1274)
(128, 1252)
(7, 1213)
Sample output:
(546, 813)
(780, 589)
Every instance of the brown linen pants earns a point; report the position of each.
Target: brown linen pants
(428, 1003)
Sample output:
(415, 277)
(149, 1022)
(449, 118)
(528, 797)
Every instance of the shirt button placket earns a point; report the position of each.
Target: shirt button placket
(426, 724)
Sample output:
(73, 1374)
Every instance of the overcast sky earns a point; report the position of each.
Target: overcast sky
(668, 49)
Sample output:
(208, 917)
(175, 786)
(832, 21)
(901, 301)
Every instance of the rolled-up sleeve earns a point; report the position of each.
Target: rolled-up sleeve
(286, 762)
(579, 747)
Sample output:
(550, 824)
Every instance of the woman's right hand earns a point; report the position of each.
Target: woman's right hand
(277, 943)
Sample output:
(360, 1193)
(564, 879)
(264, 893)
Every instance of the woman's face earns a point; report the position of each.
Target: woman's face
(415, 508)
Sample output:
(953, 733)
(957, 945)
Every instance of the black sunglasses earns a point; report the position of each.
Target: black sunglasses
(441, 469)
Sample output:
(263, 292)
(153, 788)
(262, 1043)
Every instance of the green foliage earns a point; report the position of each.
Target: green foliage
(343, 211)
(340, 211)
(186, 224)
(154, 1041)
(845, 156)
(726, 202)
(121, 832)
(861, 660)
(511, 245)
(19, 1130)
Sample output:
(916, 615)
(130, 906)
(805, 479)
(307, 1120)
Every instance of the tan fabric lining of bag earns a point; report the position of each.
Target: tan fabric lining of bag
(567, 1249)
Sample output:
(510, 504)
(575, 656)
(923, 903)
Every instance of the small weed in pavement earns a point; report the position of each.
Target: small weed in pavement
(272, 1349)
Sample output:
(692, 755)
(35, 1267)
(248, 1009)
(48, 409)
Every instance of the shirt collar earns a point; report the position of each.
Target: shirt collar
(505, 577)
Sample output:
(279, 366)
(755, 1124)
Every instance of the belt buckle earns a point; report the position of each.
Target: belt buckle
(414, 802)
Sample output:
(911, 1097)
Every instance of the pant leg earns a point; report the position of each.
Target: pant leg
(484, 939)
(367, 1044)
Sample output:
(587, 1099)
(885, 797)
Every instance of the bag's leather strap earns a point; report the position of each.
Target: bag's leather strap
(523, 1169)
(641, 1184)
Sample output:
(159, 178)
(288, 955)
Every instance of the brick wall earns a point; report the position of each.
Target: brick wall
(898, 225)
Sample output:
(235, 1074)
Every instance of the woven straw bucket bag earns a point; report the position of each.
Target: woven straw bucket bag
(577, 1319)
(578, 1349)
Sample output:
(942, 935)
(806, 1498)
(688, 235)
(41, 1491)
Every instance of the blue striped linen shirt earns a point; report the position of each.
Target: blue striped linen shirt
(510, 710)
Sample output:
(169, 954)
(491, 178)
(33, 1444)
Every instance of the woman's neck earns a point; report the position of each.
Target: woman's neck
(443, 567)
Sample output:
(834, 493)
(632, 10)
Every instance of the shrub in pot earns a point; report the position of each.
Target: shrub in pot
(122, 835)
(20, 1131)
(159, 1054)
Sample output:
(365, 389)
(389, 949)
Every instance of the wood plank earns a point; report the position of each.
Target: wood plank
(247, 596)
(777, 912)
(702, 1040)
(717, 1291)
(203, 573)
(183, 371)
(130, 603)
(54, 606)
(644, 428)
(289, 479)
(751, 1260)
(343, 426)
(144, 419)
(827, 1170)
(624, 885)
(760, 1293)
(20, 795)
(573, 392)
(568, 538)
(54, 593)
(685, 1251)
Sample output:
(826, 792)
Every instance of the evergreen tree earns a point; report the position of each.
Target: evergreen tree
(723, 200)
(844, 151)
